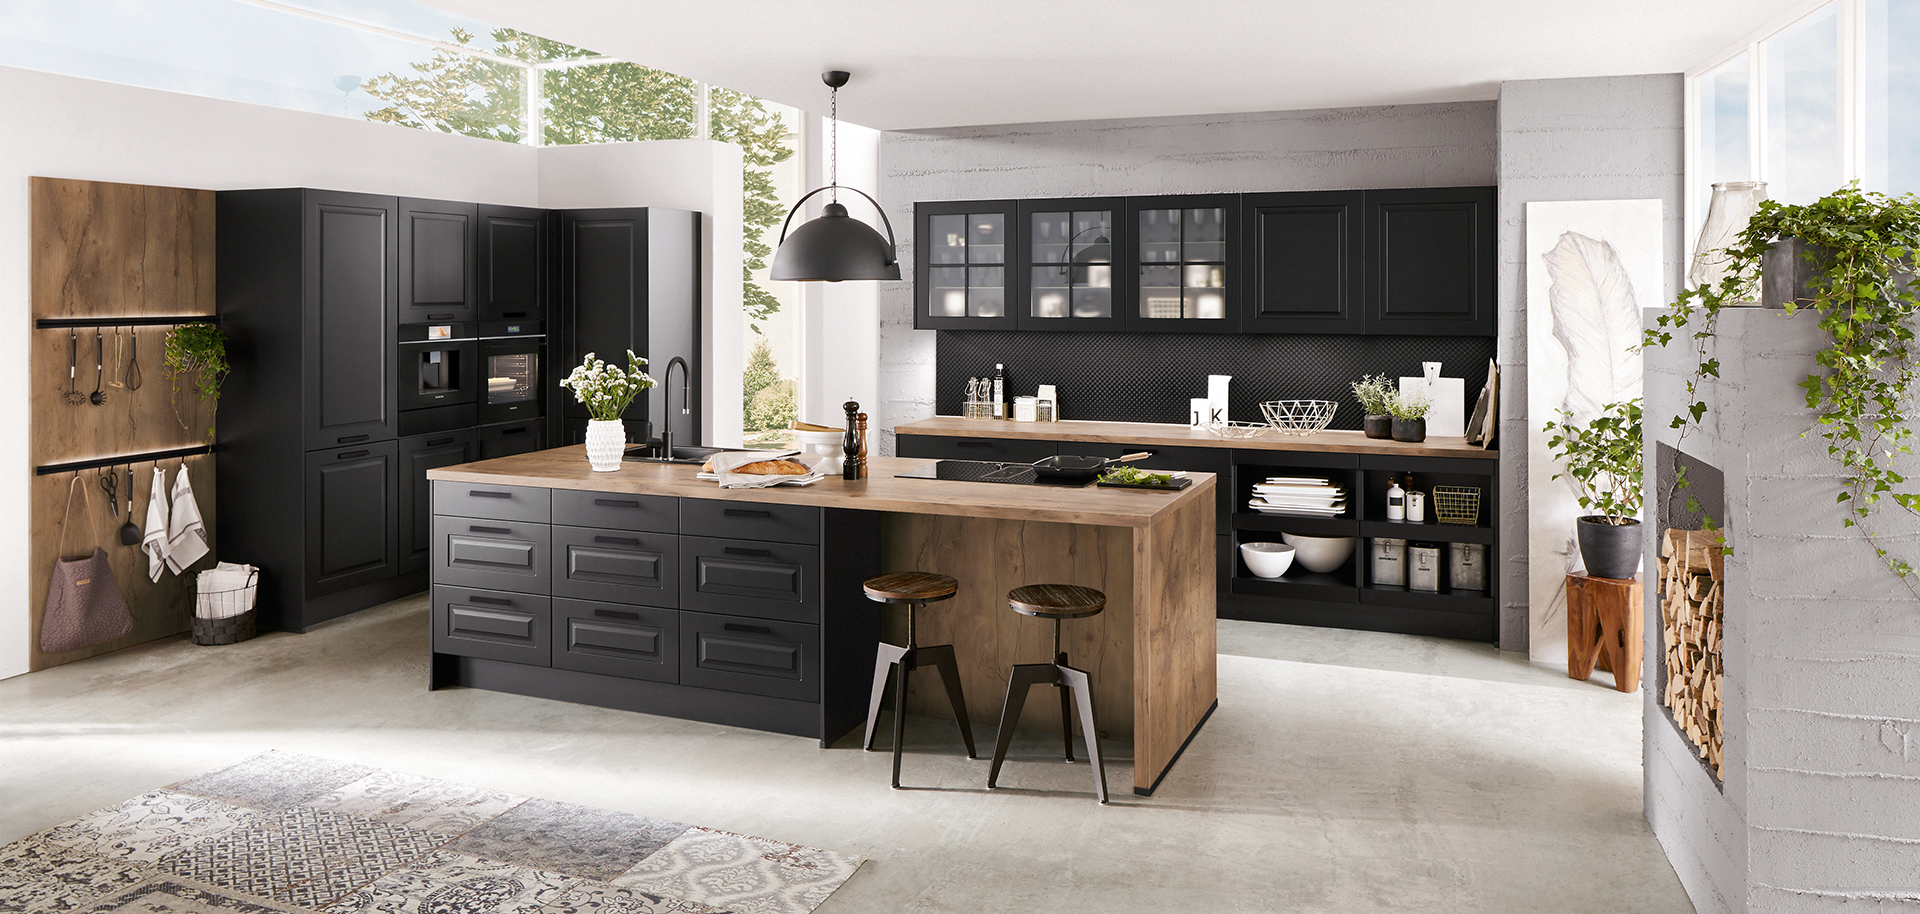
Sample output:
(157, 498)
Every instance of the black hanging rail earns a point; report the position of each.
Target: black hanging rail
(57, 323)
(78, 465)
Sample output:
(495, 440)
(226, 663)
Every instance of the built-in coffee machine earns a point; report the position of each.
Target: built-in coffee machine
(439, 372)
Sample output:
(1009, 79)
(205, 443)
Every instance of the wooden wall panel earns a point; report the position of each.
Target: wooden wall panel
(98, 251)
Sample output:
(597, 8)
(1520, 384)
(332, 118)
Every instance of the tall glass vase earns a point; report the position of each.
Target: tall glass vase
(1732, 206)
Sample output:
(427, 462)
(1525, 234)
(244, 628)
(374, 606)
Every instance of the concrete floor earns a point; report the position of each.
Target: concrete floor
(1344, 771)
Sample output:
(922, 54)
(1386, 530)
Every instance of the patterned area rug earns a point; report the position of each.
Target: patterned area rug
(282, 832)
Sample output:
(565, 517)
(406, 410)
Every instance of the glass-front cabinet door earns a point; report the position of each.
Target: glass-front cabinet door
(1182, 279)
(961, 265)
(1068, 273)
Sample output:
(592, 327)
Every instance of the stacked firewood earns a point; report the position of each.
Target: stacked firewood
(1692, 600)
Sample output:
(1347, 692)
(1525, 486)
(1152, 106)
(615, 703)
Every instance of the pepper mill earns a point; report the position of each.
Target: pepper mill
(862, 421)
(850, 465)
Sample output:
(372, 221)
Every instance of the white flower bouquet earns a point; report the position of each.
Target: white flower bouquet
(607, 389)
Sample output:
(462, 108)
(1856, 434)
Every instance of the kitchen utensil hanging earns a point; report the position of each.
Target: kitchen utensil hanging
(99, 396)
(133, 367)
(129, 533)
(110, 484)
(74, 396)
(119, 345)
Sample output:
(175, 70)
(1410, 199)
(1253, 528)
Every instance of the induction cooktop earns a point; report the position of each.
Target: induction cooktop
(1018, 474)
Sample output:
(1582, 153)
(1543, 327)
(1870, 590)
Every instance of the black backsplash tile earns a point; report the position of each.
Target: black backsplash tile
(1149, 377)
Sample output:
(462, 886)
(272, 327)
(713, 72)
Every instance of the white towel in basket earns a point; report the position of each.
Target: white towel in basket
(186, 534)
(223, 591)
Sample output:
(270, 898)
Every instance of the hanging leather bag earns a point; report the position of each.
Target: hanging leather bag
(84, 604)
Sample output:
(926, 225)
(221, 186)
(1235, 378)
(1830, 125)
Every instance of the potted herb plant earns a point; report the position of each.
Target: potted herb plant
(1376, 395)
(607, 390)
(1603, 458)
(1409, 412)
(197, 348)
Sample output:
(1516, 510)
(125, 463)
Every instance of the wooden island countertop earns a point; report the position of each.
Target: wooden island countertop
(1151, 653)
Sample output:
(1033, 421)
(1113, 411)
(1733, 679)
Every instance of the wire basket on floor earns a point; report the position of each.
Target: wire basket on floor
(1299, 417)
(1456, 504)
(224, 615)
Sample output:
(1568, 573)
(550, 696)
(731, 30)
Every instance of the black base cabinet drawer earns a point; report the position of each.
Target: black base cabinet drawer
(472, 499)
(617, 511)
(1007, 450)
(618, 566)
(496, 625)
(503, 555)
(748, 578)
(773, 523)
(755, 656)
(635, 642)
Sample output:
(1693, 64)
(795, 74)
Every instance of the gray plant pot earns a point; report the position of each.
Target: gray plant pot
(1790, 268)
(1409, 429)
(1377, 426)
(1609, 550)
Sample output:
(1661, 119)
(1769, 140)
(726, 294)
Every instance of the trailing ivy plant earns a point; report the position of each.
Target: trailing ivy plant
(1863, 247)
(198, 349)
(1604, 460)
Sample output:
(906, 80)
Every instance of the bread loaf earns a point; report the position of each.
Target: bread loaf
(781, 467)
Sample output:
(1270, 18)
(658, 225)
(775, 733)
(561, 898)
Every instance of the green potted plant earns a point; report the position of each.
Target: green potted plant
(198, 349)
(607, 390)
(1376, 395)
(1409, 412)
(1604, 460)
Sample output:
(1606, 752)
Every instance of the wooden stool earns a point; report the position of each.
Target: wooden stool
(915, 589)
(1604, 620)
(1056, 602)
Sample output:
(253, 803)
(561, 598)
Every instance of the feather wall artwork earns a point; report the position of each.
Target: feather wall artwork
(1592, 265)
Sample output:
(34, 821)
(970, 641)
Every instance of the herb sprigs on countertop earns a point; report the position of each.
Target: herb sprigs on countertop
(1136, 477)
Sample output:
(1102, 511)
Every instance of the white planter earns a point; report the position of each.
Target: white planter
(606, 444)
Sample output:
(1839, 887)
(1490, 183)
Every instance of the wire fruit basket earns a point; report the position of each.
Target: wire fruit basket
(1239, 429)
(1456, 504)
(1299, 417)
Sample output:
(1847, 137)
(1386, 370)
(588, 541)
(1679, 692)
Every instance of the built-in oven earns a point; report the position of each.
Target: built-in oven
(439, 376)
(511, 377)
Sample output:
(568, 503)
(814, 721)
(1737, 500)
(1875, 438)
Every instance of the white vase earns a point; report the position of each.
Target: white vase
(606, 444)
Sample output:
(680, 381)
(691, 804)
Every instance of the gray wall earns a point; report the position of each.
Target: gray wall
(1822, 655)
(1601, 138)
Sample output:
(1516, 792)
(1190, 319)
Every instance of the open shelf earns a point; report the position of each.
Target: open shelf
(1448, 600)
(1301, 585)
(1290, 523)
(1428, 532)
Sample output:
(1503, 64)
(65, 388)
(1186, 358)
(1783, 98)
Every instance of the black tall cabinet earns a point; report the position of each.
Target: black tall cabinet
(628, 279)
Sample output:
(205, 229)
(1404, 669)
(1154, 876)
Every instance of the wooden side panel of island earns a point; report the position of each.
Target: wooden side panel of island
(1175, 649)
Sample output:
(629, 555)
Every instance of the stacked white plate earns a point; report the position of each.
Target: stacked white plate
(1304, 496)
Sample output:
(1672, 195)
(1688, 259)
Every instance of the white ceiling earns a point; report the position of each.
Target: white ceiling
(960, 62)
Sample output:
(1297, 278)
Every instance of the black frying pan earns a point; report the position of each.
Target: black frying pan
(1068, 467)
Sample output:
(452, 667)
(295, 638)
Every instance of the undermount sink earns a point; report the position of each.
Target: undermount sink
(650, 453)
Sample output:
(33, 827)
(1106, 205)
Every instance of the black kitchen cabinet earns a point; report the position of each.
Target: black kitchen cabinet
(352, 517)
(505, 439)
(1066, 256)
(1183, 263)
(960, 258)
(511, 258)
(436, 261)
(1431, 261)
(629, 280)
(1305, 257)
(349, 312)
(418, 455)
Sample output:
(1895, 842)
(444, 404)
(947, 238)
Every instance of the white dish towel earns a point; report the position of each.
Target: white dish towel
(154, 543)
(186, 534)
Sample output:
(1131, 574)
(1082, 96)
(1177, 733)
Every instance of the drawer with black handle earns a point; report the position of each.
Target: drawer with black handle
(618, 566)
(750, 520)
(617, 511)
(635, 642)
(492, 624)
(755, 656)
(750, 578)
(477, 552)
(472, 499)
(1004, 450)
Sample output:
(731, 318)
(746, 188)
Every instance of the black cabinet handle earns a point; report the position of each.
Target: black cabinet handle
(499, 530)
(617, 503)
(352, 439)
(743, 512)
(633, 541)
(440, 441)
(513, 431)
(511, 314)
(736, 550)
(491, 601)
(351, 455)
(617, 614)
(482, 493)
(973, 444)
(440, 317)
(755, 629)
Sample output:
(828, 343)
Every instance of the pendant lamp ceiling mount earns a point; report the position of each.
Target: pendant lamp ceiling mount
(835, 246)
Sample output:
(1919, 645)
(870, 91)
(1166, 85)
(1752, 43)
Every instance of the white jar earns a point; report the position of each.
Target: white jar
(1026, 409)
(606, 444)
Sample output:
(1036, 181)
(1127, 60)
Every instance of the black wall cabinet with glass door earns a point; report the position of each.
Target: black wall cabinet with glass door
(1064, 264)
(1183, 271)
(960, 261)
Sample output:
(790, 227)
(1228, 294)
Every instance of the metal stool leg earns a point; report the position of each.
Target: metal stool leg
(1066, 701)
(883, 661)
(941, 656)
(1082, 685)
(1023, 677)
(900, 712)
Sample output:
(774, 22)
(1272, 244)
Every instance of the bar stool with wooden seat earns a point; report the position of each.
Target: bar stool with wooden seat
(1057, 602)
(915, 589)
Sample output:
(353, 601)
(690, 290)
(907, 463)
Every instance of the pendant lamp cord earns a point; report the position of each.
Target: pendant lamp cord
(833, 178)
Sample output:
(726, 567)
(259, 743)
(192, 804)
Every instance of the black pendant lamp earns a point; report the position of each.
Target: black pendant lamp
(835, 246)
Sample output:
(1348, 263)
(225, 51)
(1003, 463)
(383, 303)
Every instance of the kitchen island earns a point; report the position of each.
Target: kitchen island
(650, 590)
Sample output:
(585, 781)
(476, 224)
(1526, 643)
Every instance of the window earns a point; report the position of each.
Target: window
(1723, 132)
(1893, 95)
(1801, 120)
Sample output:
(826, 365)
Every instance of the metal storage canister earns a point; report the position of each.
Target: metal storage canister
(1389, 561)
(1467, 566)
(1423, 567)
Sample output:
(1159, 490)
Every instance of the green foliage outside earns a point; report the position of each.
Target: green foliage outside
(762, 375)
(774, 406)
(611, 102)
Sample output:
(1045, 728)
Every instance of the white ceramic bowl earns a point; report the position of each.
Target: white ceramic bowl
(827, 444)
(1267, 560)
(1320, 554)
